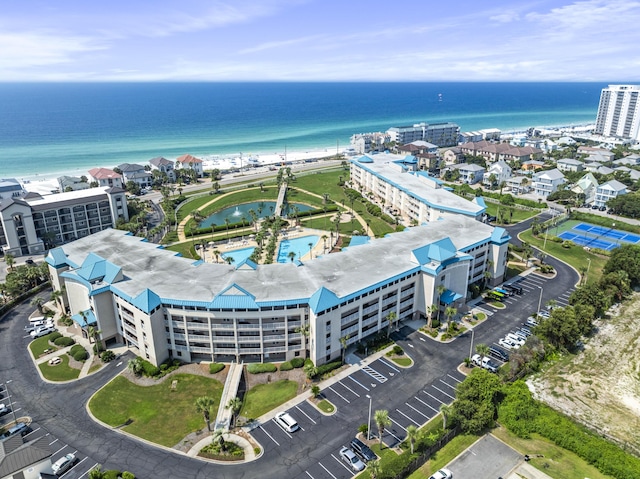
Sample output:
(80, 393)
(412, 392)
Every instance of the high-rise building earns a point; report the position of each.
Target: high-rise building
(619, 112)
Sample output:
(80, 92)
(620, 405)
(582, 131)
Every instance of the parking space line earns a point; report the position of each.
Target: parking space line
(427, 404)
(454, 378)
(397, 438)
(269, 435)
(89, 470)
(282, 429)
(309, 474)
(389, 365)
(75, 465)
(418, 411)
(397, 424)
(359, 384)
(416, 423)
(443, 382)
(344, 385)
(374, 374)
(328, 471)
(340, 395)
(66, 445)
(432, 396)
(342, 463)
(35, 430)
(438, 389)
(53, 442)
(308, 417)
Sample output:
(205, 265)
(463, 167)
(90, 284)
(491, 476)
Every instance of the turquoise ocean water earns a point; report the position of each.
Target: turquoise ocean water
(52, 128)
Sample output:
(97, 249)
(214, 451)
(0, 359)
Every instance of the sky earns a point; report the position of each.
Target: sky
(319, 40)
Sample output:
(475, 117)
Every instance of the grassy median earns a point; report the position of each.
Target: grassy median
(157, 413)
(265, 397)
(59, 372)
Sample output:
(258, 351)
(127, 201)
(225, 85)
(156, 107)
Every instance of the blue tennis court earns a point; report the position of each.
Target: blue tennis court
(608, 233)
(586, 241)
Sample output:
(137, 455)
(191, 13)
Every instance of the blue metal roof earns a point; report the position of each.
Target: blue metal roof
(499, 235)
(363, 159)
(147, 301)
(56, 258)
(246, 263)
(90, 318)
(449, 297)
(323, 299)
(479, 200)
(440, 251)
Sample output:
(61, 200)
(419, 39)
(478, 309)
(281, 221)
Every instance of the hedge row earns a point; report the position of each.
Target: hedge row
(328, 367)
(258, 368)
(53, 336)
(64, 341)
(215, 368)
(78, 353)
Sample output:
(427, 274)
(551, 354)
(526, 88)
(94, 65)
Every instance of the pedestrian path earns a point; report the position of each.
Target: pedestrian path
(223, 418)
(280, 202)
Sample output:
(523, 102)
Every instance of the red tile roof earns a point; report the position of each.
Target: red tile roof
(186, 159)
(103, 174)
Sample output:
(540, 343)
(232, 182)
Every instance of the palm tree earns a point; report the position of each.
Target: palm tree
(440, 289)
(430, 310)
(226, 222)
(93, 333)
(310, 253)
(218, 436)
(10, 260)
(229, 260)
(391, 318)
(291, 256)
(381, 418)
(324, 243)
(412, 435)
(343, 344)
(97, 473)
(56, 296)
(482, 349)
(235, 405)
(450, 312)
(204, 404)
(135, 365)
(216, 253)
(38, 302)
(304, 331)
(445, 410)
(374, 468)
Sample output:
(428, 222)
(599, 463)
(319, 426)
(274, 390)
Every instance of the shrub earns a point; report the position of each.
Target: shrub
(107, 356)
(363, 428)
(397, 350)
(215, 368)
(53, 336)
(286, 366)
(128, 475)
(64, 341)
(80, 354)
(325, 368)
(297, 362)
(259, 368)
(149, 369)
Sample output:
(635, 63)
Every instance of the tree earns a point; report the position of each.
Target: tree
(38, 302)
(374, 469)
(381, 418)
(315, 390)
(324, 243)
(441, 288)
(97, 473)
(561, 329)
(432, 308)
(412, 435)
(235, 405)
(303, 329)
(445, 410)
(476, 401)
(450, 312)
(291, 255)
(135, 365)
(343, 345)
(309, 369)
(10, 260)
(391, 318)
(218, 436)
(310, 248)
(94, 334)
(482, 349)
(625, 258)
(204, 404)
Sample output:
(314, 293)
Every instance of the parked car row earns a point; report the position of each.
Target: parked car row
(485, 363)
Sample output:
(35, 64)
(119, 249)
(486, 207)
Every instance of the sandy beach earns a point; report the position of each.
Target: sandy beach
(45, 185)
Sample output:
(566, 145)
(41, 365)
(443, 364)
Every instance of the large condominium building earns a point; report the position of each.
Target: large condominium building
(395, 182)
(31, 224)
(619, 112)
(440, 134)
(164, 305)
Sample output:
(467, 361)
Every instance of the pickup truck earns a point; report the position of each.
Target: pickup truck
(489, 365)
(477, 360)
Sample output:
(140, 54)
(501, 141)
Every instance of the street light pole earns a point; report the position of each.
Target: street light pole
(471, 347)
(369, 422)
(540, 300)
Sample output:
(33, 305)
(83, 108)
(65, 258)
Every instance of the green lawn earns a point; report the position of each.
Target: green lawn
(518, 214)
(557, 462)
(326, 407)
(156, 413)
(406, 362)
(265, 397)
(39, 345)
(59, 372)
(444, 456)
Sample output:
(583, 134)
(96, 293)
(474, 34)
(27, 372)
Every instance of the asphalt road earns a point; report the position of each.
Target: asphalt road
(410, 395)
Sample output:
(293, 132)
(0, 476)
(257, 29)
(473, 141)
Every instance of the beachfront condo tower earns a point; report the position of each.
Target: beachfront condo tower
(619, 112)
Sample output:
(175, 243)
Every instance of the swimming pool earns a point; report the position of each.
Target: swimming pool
(299, 246)
(238, 255)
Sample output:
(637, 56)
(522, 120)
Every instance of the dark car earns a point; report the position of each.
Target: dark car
(498, 353)
(594, 207)
(362, 450)
(603, 208)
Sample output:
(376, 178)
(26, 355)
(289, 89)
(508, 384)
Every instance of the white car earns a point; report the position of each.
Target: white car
(42, 331)
(3, 409)
(442, 474)
(350, 458)
(63, 464)
(54, 361)
(515, 339)
(286, 422)
(508, 344)
(476, 359)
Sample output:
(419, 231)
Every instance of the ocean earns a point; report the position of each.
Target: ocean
(52, 128)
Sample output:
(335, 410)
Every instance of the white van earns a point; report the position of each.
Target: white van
(36, 319)
(286, 422)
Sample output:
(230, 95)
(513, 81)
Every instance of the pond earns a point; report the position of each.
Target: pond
(300, 246)
(235, 213)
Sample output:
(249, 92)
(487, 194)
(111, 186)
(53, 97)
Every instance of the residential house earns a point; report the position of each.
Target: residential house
(11, 188)
(418, 147)
(547, 182)
(532, 165)
(633, 174)
(593, 151)
(569, 164)
(492, 152)
(73, 183)
(586, 186)
(501, 173)
(136, 173)
(365, 142)
(106, 177)
(190, 162)
(519, 185)
(163, 166)
(453, 155)
(565, 141)
(470, 173)
(630, 160)
(608, 191)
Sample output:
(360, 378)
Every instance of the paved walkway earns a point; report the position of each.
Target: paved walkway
(230, 391)
(280, 201)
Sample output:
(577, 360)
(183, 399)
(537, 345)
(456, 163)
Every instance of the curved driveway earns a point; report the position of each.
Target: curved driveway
(61, 408)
